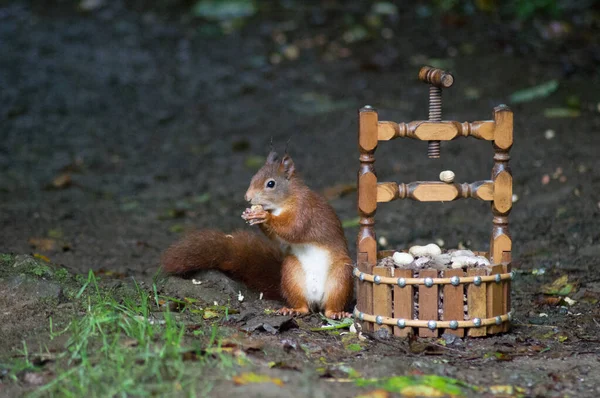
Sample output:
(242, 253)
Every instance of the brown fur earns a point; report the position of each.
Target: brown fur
(245, 256)
(306, 217)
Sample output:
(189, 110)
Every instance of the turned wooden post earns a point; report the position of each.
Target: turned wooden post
(501, 243)
(367, 205)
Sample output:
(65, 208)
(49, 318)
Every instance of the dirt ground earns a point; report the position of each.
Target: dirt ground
(123, 126)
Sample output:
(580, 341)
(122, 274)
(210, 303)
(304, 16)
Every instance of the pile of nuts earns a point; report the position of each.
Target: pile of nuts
(431, 256)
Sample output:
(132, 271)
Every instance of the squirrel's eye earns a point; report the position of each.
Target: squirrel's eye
(270, 184)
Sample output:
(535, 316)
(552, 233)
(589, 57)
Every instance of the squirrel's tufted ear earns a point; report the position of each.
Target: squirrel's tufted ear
(272, 158)
(287, 166)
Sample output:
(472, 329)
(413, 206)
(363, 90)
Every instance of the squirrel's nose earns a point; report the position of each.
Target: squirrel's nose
(248, 196)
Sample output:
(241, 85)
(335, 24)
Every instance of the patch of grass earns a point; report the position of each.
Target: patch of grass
(6, 259)
(40, 270)
(119, 348)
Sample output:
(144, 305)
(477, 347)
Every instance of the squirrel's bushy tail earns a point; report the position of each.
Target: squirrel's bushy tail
(245, 256)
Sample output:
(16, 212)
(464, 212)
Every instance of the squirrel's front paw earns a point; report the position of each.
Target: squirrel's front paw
(255, 216)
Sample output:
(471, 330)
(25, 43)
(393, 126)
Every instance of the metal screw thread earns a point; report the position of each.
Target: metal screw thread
(435, 115)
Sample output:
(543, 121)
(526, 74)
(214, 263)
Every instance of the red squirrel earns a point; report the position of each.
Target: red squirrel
(305, 261)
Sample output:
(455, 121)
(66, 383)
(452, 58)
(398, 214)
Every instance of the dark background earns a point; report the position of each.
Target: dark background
(124, 123)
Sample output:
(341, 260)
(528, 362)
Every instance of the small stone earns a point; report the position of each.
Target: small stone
(549, 134)
(515, 198)
(382, 334)
(569, 301)
(440, 242)
(291, 52)
(545, 179)
(449, 338)
(383, 241)
(402, 258)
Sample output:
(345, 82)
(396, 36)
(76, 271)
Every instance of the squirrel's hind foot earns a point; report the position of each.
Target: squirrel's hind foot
(292, 311)
(337, 314)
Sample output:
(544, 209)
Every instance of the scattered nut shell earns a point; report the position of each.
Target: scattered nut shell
(463, 261)
(447, 176)
(462, 253)
(402, 258)
(442, 259)
(421, 262)
(431, 250)
(481, 260)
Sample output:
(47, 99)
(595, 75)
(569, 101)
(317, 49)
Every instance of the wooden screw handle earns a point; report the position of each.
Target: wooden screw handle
(436, 77)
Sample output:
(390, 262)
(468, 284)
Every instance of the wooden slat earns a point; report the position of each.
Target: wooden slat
(501, 243)
(367, 125)
(367, 192)
(428, 303)
(503, 191)
(403, 301)
(476, 300)
(503, 133)
(506, 268)
(387, 191)
(483, 130)
(494, 300)
(364, 291)
(453, 301)
(434, 191)
(382, 297)
(483, 190)
(436, 131)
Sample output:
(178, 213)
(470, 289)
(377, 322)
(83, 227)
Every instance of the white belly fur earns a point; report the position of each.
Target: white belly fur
(315, 262)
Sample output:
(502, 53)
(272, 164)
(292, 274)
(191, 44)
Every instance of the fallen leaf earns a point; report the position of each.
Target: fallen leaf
(354, 347)
(222, 10)
(110, 273)
(254, 162)
(548, 300)
(203, 198)
(172, 214)
(250, 378)
(374, 394)
(62, 181)
(350, 223)
(208, 314)
(177, 228)
(90, 5)
(529, 94)
(44, 244)
(338, 191)
(419, 385)
(560, 287)
(553, 113)
(505, 390)
(41, 257)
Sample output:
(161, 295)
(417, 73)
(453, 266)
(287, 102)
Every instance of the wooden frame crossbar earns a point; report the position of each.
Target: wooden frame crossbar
(436, 131)
(435, 191)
